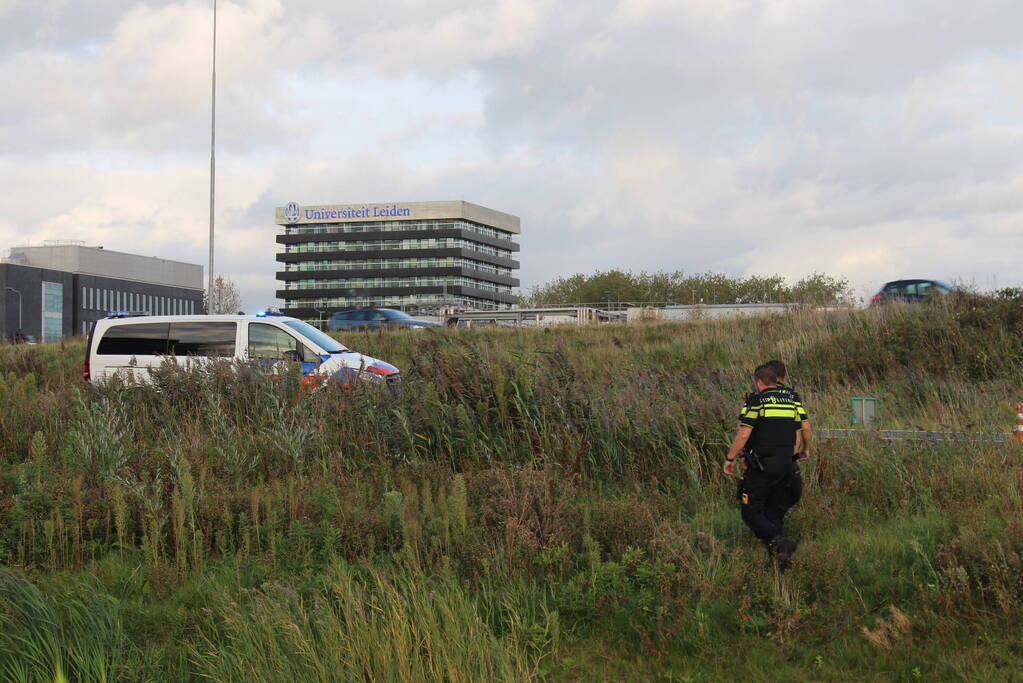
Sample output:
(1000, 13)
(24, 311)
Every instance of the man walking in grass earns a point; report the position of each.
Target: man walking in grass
(796, 480)
(768, 425)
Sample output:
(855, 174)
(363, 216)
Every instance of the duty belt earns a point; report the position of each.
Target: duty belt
(757, 460)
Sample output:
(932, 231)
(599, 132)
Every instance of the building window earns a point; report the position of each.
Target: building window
(53, 311)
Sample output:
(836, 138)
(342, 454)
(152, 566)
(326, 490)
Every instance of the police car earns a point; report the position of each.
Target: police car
(132, 344)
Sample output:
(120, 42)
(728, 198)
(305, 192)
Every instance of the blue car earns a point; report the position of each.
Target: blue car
(910, 290)
(375, 318)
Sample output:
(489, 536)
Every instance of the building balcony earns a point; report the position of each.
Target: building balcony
(433, 252)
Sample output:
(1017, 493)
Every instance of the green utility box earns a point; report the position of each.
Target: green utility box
(864, 410)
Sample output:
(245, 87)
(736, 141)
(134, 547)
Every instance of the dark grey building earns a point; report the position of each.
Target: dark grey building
(417, 256)
(54, 291)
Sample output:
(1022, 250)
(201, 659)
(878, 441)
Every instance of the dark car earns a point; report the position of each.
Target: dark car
(910, 290)
(373, 318)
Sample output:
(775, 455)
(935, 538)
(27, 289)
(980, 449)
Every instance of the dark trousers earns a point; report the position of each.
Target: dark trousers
(785, 498)
(767, 494)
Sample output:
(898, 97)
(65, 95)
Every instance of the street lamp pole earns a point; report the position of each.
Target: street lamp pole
(12, 289)
(213, 148)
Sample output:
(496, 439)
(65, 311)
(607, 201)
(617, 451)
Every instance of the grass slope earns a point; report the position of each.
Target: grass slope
(533, 504)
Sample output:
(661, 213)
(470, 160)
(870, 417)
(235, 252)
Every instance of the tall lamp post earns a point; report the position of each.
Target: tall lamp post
(213, 148)
(12, 289)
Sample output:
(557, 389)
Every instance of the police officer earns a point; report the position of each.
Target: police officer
(785, 503)
(768, 425)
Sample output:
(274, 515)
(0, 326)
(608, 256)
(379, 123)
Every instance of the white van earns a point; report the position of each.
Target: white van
(134, 344)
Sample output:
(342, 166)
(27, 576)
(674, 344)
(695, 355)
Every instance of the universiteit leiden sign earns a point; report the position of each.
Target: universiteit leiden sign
(293, 213)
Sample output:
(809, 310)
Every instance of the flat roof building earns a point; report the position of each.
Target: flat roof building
(63, 289)
(417, 256)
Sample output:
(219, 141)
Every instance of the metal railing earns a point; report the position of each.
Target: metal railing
(910, 435)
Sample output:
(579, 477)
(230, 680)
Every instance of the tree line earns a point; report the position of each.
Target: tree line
(617, 288)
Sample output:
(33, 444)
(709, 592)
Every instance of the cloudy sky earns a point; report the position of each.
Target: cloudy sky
(869, 140)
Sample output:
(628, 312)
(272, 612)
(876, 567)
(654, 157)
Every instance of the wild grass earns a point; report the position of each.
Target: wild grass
(379, 627)
(530, 504)
(73, 635)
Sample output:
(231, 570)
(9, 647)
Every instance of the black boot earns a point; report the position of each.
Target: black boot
(783, 548)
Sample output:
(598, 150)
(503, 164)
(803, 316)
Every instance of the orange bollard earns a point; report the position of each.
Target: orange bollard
(1017, 431)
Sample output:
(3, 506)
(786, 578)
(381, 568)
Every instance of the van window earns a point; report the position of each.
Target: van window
(326, 342)
(202, 339)
(267, 341)
(146, 339)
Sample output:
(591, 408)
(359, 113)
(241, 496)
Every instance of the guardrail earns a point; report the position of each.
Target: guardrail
(910, 435)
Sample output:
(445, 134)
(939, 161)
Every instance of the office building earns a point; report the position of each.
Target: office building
(417, 256)
(61, 289)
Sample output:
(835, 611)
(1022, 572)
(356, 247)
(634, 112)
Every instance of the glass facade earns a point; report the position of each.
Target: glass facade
(388, 245)
(399, 226)
(53, 311)
(379, 282)
(389, 263)
(330, 266)
(414, 301)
